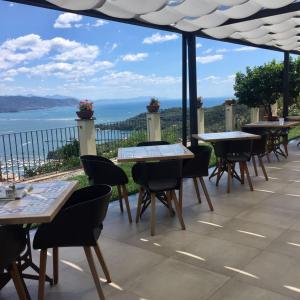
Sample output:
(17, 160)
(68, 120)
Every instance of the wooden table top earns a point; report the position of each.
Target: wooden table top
(273, 124)
(153, 153)
(225, 136)
(40, 205)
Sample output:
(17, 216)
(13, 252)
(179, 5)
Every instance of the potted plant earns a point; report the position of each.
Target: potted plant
(230, 101)
(199, 102)
(85, 110)
(153, 106)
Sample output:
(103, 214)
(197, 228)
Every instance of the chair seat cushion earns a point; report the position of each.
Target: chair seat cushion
(238, 158)
(162, 185)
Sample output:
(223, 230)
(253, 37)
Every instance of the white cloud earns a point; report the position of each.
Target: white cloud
(135, 57)
(69, 60)
(209, 58)
(25, 49)
(211, 78)
(207, 51)
(198, 45)
(65, 20)
(113, 47)
(245, 48)
(159, 38)
(63, 70)
(222, 50)
(131, 79)
(99, 23)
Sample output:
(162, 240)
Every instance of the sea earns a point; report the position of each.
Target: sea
(104, 111)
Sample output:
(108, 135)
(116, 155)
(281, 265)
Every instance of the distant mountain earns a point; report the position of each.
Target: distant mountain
(22, 103)
(59, 97)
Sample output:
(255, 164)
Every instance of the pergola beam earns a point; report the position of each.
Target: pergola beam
(184, 90)
(199, 33)
(286, 79)
(191, 41)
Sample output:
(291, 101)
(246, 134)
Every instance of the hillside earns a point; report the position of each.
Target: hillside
(214, 119)
(22, 103)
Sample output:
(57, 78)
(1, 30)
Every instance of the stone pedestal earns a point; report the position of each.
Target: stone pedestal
(153, 127)
(228, 117)
(274, 109)
(200, 116)
(254, 114)
(87, 136)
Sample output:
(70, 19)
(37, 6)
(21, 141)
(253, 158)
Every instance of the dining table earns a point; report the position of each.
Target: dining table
(152, 154)
(223, 137)
(278, 134)
(39, 203)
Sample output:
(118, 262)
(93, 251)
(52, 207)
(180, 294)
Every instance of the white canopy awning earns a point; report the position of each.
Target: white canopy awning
(261, 23)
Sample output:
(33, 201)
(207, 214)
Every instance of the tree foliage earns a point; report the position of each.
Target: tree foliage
(263, 85)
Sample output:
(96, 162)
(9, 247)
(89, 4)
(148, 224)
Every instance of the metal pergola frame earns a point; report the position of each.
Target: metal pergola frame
(189, 67)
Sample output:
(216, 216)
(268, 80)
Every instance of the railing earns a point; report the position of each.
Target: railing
(30, 153)
(111, 136)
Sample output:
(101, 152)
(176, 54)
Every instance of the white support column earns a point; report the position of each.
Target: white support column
(153, 126)
(228, 115)
(254, 114)
(87, 136)
(200, 115)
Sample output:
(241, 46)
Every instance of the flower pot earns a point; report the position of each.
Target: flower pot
(85, 114)
(153, 108)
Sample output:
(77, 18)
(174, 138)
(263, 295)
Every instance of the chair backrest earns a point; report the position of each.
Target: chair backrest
(221, 149)
(142, 173)
(240, 147)
(197, 166)
(99, 171)
(96, 198)
(259, 146)
(152, 143)
(13, 242)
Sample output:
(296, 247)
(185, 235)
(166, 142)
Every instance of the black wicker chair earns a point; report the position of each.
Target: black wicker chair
(101, 170)
(78, 224)
(239, 152)
(259, 149)
(13, 243)
(158, 177)
(197, 167)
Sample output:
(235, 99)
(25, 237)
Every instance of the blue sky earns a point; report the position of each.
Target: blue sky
(44, 52)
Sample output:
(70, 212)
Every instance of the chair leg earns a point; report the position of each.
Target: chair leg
(285, 145)
(178, 211)
(139, 206)
(102, 263)
(125, 194)
(89, 257)
(15, 275)
(263, 168)
(42, 274)
(153, 213)
(254, 165)
(180, 194)
(120, 198)
(55, 265)
(242, 173)
(206, 193)
(248, 176)
(168, 194)
(228, 177)
(197, 189)
(219, 172)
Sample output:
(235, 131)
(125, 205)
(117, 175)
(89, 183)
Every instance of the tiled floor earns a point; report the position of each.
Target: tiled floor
(249, 248)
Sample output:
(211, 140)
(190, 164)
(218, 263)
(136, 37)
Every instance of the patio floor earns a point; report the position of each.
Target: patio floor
(248, 248)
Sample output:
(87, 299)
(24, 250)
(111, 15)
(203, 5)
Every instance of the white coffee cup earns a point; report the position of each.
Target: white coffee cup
(281, 121)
